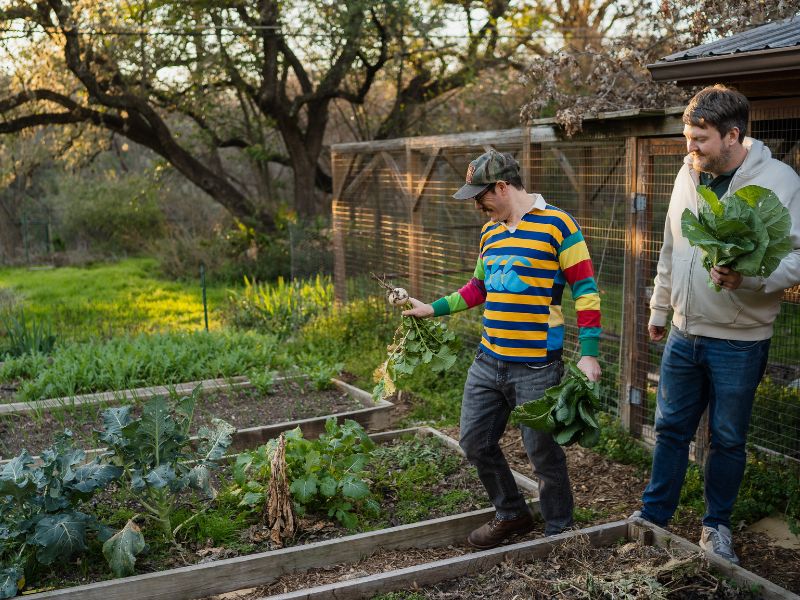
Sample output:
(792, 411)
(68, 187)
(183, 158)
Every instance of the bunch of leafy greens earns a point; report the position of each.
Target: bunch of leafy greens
(325, 475)
(566, 410)
(416, 342)
(160, 460)
(748, 232)
(40, 518)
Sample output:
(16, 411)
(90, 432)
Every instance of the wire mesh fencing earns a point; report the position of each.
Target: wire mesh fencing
(393, 213)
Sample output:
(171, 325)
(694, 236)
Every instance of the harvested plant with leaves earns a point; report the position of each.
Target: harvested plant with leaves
(566, 410)
(416, 342)
(748, 231)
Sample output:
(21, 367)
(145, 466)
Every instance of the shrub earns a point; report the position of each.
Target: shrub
(281, 308)
(115, 215)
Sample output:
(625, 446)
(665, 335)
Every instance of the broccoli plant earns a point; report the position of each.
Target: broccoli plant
(40, 520)
(326, 475)
(158, 457)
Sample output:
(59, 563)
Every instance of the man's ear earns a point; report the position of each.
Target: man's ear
(732, 136)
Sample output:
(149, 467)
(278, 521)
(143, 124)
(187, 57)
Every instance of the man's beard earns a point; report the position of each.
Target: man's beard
(715, 165)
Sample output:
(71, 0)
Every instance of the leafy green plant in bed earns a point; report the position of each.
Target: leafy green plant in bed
(159, 460)
(566, 410)
(40, 518)
(326, 475)
(129, 362)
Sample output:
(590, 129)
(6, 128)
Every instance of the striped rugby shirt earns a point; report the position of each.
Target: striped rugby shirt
(520, 276)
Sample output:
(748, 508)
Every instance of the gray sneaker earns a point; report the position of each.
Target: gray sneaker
(720, 542)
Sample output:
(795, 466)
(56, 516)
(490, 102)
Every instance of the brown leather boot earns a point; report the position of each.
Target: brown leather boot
(495, 531)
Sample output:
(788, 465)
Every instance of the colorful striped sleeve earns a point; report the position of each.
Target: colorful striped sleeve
(576, 264)
(471, 295)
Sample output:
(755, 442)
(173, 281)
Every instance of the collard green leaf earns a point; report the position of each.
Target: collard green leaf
(567, 435)
(10, 579)
(589, 438)
(17, 478)
(94, 476)
(60, 536)
(535, 415)
(114, 421)
(587, 414)
(354, 487)
(304, 488)
(747, 231)
(161, 477)
(122, 548)
(199, 478)
(216, 440)
(328, 486)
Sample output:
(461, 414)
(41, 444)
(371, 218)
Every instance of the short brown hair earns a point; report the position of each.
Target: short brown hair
(719, 106)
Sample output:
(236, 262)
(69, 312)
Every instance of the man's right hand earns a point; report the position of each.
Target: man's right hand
(420, 309)
(656, 332)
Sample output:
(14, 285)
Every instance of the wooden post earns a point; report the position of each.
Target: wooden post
(337, 222)
(633, 388)
(526, 160)
(415, 271)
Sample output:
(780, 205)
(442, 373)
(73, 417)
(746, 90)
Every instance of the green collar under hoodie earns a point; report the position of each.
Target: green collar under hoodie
(681, 282)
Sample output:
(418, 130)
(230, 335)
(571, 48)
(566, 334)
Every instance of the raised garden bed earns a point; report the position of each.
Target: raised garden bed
(629, 558)
(258, 417)
(228, 574)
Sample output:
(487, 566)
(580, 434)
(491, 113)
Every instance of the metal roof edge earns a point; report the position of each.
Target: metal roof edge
(743, 63)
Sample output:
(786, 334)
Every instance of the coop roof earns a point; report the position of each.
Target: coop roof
(769, 48)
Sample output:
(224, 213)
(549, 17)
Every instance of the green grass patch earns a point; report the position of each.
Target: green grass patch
(111, 299)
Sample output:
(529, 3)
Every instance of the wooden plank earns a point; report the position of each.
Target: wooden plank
(452, 568)
(208, 385)
(399, 180)
(662, 537)
(565, 165)
(424, 177)
(339, 256)
(361, 177)
(526, 160)
(340, 174)
(241, 572)
(374, 416)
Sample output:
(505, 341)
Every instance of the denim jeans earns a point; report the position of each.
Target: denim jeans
(697, 372)
(493, 388)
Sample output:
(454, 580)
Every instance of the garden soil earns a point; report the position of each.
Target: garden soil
(242, 408)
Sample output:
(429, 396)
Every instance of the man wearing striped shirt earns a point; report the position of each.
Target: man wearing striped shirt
(529, 251)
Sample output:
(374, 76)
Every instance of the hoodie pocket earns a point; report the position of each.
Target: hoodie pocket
(707, 304)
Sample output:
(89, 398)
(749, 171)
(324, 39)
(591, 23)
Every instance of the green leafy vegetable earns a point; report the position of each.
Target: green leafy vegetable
(416, 342)
(326, 475)
(748, 231)
(157, 455)
(566, 410)
(121, 549)
(40, 520)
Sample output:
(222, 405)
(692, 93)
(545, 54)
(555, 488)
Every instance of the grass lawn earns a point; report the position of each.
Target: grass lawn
(111, 299)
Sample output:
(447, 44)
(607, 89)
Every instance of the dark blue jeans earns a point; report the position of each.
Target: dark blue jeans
(697, 372)
(493, 388)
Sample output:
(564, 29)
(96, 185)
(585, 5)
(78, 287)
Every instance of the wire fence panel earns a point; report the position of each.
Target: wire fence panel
(394, 214)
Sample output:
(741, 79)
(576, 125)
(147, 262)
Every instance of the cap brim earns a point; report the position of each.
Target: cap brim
(468, 191)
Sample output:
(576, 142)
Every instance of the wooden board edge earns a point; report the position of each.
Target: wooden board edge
(450, 568)
(662, 537)
(231, 574)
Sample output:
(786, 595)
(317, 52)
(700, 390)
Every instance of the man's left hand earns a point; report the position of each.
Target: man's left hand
(590, 367)
(725, 277)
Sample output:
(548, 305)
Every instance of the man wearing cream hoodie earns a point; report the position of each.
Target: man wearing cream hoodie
(718, 344)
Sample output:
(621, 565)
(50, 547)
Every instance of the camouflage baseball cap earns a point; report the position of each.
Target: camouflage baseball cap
(488, 168)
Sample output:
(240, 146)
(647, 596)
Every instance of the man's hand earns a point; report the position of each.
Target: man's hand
(725, 277)
(590, 367)
(420, 309)
(657, 332)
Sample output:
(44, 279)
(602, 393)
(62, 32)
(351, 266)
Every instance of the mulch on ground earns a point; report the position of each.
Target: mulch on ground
(242, 407)
(604, 491)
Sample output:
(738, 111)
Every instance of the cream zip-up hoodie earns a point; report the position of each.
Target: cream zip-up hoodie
(681, 283)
